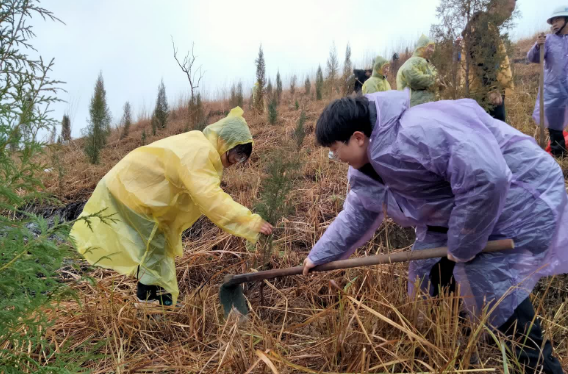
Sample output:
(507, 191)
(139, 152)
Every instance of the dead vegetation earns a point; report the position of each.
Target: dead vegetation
(297, 325)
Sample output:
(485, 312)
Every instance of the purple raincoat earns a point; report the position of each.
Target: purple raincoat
(452, 165)
(555, 81)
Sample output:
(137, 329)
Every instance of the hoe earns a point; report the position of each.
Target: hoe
(231, 292)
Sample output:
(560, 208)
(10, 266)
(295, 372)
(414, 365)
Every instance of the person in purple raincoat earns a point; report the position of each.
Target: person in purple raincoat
(555, 79)
(462, 178)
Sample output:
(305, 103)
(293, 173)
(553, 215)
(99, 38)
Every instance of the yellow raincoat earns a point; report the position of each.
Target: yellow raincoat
(158, 191)
(378, 82)
(419, 75)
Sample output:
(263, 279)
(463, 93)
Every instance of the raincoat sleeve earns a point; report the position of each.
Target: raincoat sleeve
(353, 227)
(479, 178)
(419, 76)
(534, 53)
(204, 185)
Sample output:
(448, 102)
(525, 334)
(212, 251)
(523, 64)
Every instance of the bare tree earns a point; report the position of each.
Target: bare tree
(194, 75)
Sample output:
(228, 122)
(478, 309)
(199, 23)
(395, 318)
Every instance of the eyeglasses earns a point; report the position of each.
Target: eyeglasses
(238, 160)
(332, 156)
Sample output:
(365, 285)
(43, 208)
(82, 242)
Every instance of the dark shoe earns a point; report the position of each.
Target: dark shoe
(153, 295)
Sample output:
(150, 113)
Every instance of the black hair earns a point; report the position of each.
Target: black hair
(242, 150)
(342, 118)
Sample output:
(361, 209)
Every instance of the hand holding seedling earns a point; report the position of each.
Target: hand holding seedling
(266, 228)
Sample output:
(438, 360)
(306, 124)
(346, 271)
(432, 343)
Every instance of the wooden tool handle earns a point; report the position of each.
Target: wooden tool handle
(492, 246)
(541, 101)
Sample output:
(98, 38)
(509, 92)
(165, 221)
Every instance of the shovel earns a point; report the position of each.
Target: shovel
(541, 101)
(231, 292)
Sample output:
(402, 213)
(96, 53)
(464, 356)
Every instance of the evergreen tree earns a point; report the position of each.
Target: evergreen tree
(32, 250)
(269, 90)
(126, 120)
(154, 123)
(307, 86)
(332, 70)
(273, 111)
(236, 98)
(260, 82)
(197, 115)
(240, 98)
(98, 128)
(278, 88)
(66, 128)
(347, 69)
(161, 112)
(299, 131)
(233, 97)
(293, 81)
(53, 135)
(319, 84)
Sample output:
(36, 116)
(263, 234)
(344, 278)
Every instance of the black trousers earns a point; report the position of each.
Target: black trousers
(498, 111)
(557, 143)
(518, 326)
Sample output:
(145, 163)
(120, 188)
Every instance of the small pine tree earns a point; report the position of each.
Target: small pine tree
(319, 84)
(66, 128)
(144, 137)
(347, 68)
(278, 88)
(299, 131)
(197, 116)
(293, 82)
(297, 105)
(260, 82)
(161, 112)
(99, 124)
(126, 120)
(154, 123)
(307, 86)
(236, 95)
(332, 70)
(53, 135)
(273, 203)
(269, 90)
(233, 97)
(273, 111)
(240, 97)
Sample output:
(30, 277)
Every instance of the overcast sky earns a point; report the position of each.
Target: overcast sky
(130, 42)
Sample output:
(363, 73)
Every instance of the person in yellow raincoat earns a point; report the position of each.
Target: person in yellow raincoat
(158, 191)
(418, 74)
(378, 81)
(490, 78)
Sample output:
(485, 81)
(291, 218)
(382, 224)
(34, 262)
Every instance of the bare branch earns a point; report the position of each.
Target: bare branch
(194, 76)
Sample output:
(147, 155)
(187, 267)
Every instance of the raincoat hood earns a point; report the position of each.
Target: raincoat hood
(380, 62)
(421, 46)
(391, 105)
(228, 132)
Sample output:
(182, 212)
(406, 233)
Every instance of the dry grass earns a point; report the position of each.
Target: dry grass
(297, 324)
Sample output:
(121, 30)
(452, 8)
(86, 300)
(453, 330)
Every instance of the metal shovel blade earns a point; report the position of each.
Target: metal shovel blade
(231, 296)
